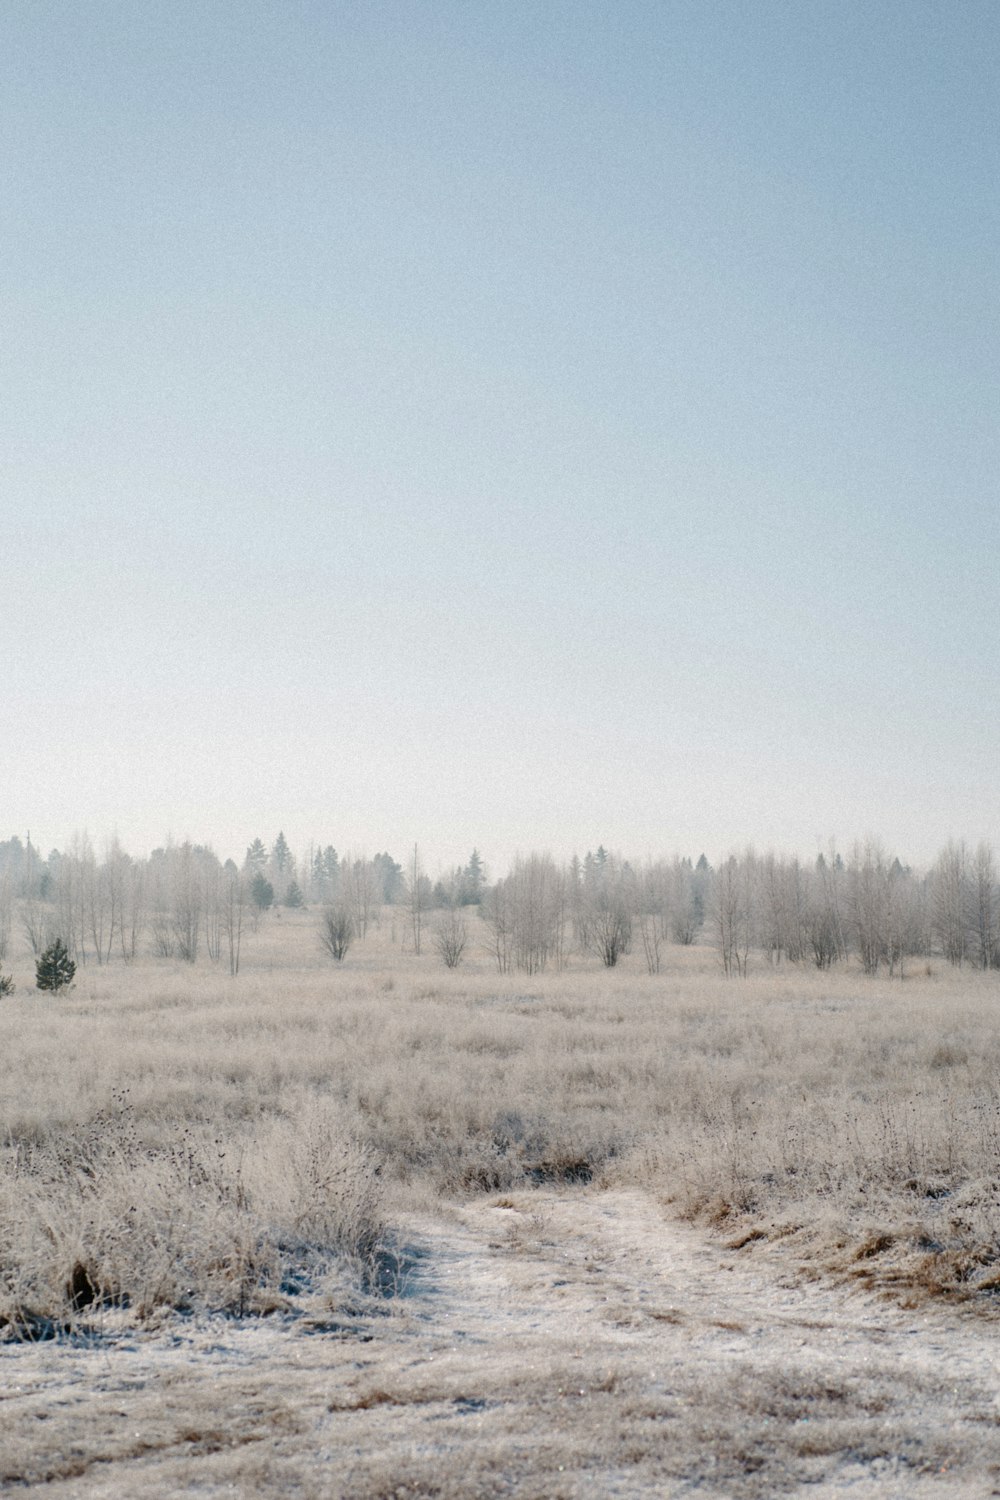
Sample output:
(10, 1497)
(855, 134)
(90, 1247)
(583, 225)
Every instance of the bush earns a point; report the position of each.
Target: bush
(336, 932)
(55, 969)
(6, 984)
(450, 939)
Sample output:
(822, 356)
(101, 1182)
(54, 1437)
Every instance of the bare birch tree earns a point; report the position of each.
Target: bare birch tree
(418, 903)
(133, 917)
(952, 902)
(6, 912)
(987, 909)
(233, 912)
(606, 916)
(525, 914)
(36, 918)
(497, 912)
(362, 892)
(733, 912)
(652, 892)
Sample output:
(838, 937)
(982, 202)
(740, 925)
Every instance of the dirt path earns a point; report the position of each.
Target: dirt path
(571, 1343)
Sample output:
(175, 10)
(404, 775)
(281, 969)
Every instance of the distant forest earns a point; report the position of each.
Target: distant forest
(183, 902)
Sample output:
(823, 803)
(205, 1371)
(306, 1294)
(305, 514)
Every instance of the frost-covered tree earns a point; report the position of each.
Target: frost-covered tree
(525, 915)
(336, 932)
(952, 902)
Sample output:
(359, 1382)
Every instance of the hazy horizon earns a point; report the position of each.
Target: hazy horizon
(496, 863)
(518, 427)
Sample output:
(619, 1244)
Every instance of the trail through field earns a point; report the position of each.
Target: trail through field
(557, 1343)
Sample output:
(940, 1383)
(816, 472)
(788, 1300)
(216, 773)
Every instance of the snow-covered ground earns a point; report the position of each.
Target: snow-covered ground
(556, 1343)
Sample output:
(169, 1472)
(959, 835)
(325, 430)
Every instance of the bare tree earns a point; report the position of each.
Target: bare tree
(873, 898)
(525, 915)
(686, 903)
(233, 910)
(497, 911)
(952, 902)
(823, 923)
(336, 931)
(362, 892)
(213, 901)
(133, 917)
(95, 896)
(906, 925)
(733, 912)
(36, 921)
(987, 908)
(782, 909)
(186, 903)
(606, 920)
(161, 925)
(6, 911)
(652, 906)
(418, 904)
(115, 876)
(538, 905)
(451, 937)
(71, 896)
(538, 909)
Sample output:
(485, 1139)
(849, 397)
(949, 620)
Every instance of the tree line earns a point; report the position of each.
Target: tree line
(183, 902)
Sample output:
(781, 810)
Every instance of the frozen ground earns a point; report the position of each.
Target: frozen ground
(556, 1343)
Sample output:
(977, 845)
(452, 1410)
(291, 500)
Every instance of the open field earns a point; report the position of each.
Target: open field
(463, 1199)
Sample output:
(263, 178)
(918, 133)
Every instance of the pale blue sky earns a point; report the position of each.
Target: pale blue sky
(520, 425)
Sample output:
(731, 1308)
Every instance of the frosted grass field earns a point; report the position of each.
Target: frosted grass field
(302, 1152)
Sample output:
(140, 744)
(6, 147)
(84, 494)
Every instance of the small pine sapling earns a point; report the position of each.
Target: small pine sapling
(55, 969)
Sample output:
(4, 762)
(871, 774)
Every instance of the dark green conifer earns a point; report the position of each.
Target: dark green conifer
(55, 969)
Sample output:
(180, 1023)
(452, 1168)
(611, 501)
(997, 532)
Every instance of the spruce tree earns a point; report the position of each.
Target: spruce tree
(472, 880)
(55, 969)
(256, 856)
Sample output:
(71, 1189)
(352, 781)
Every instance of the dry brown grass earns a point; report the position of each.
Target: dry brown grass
(175, 1137)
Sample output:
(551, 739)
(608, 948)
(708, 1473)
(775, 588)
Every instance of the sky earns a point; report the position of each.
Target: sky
(521, 426)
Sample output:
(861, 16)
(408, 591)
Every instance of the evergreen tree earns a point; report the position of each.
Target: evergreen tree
(261, 891)
(55, 969)
(390, 877)
(256, 856)
(589, 872)
(6, 984)
(281, 854)
(472, 880)
(293, 896)
(700, 887)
